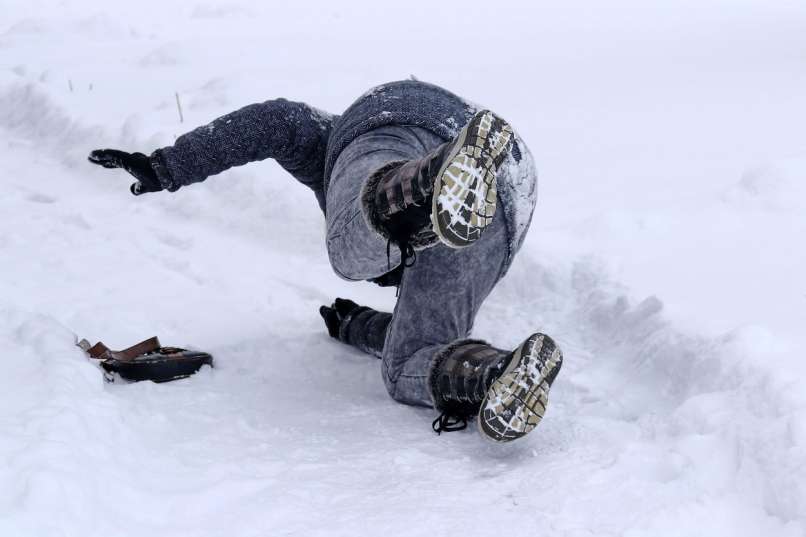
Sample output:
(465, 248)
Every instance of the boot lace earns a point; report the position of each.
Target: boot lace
(447, 422)
(408, 256)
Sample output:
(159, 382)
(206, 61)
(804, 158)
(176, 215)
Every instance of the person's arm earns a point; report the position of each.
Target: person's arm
(292, 133)
(360, 326)
(295, 134)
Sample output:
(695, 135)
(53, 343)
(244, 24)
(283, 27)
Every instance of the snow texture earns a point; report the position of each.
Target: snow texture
(665, 256)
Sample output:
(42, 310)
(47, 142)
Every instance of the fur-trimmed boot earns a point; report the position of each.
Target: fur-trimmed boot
(507, 392)
(449, 195)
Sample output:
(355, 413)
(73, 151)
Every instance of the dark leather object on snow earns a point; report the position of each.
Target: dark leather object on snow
(147, 360)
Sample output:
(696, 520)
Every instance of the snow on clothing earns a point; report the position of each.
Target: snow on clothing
(334, 155)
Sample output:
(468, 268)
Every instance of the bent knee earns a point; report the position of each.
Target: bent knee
(354, 260)
(338, 261)
(407, 390)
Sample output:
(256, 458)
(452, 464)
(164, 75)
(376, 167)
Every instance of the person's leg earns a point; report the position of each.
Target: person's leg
(356, 251)
(439, 298)
(428, 359)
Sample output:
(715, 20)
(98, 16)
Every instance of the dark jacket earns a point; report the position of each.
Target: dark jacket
(305, 141)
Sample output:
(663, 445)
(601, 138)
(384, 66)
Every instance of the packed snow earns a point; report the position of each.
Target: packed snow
(666, 256)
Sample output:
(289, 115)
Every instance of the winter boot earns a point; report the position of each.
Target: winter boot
(449, 195)
(507, 391)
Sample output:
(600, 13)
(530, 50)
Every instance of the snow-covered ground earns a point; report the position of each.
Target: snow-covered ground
(666, 256)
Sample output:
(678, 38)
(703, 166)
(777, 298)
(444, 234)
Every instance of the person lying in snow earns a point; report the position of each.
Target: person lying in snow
(451, 186)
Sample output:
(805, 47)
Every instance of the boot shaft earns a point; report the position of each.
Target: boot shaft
(462, 373)
(409, 184)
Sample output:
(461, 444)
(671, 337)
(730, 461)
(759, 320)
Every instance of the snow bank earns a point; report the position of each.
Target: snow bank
(663, 257)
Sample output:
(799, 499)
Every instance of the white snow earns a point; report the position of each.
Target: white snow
(666, 257)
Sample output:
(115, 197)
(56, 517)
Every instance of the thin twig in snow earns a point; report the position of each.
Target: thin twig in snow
(179, 107)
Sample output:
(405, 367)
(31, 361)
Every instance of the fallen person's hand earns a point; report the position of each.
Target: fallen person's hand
(137, 164)
(335, 314)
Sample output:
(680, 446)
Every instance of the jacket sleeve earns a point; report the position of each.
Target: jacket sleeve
(292, 133)
(365, 329)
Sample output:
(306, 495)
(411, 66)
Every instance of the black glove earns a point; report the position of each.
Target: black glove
(336, 313)
(137, 164)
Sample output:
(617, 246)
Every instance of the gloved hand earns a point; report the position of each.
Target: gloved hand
(137, 164)
(336, 313)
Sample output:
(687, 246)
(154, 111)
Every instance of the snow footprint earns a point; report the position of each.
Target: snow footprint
(37, 197)
(176, 242)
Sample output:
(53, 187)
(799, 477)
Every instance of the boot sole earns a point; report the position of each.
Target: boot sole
(517, 400)
(465, 193)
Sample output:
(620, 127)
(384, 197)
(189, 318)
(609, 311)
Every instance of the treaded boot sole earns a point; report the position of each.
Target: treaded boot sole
(516, 401)
(465, 194)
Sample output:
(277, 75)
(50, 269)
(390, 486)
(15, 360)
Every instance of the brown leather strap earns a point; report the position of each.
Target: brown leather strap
(144, 347)
(99, 351)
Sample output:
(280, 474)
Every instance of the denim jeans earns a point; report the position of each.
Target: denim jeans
(440, 294)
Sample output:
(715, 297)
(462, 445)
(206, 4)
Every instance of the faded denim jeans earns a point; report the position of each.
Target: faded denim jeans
(440, 294)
